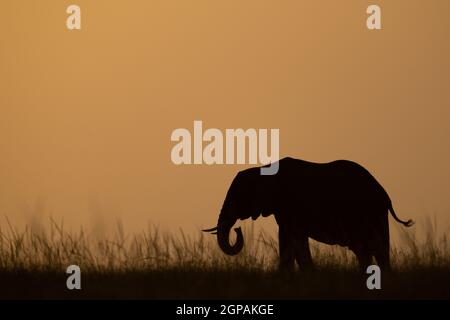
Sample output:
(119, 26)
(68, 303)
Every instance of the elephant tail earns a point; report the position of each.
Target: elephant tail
(408, 223)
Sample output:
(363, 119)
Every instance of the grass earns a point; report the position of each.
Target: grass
(159, 265)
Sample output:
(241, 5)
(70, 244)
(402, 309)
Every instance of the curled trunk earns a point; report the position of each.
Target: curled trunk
(223, 237)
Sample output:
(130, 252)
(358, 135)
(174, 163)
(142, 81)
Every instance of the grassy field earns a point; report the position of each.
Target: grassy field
(159, 265)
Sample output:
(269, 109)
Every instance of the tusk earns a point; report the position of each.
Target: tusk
(209, 230)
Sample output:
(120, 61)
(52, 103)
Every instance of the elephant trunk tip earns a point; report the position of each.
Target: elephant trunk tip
(223, 238)
(409, 223)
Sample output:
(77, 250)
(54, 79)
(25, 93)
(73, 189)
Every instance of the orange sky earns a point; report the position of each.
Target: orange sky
(86, 116)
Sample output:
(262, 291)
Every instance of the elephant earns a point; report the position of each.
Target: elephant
(336, 203)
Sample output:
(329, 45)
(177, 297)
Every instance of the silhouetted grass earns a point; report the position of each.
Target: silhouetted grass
(158, 265)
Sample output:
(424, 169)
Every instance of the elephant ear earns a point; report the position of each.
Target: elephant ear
(266, 213)
(268, 194)
(254, 193)
(262, 213)
(262, 200)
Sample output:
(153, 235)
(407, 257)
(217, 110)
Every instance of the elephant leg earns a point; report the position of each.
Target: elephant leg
(382, 250)
(383, 259)
(303, 254)
(286, 250)
(364, 257)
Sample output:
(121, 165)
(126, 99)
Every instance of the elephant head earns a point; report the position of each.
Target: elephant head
(245, 198)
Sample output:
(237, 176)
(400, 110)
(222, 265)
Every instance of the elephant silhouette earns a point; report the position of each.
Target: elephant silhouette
(338, 202)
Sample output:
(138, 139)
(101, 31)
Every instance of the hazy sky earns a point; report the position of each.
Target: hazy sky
(86, 116)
